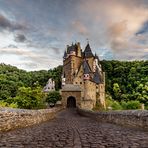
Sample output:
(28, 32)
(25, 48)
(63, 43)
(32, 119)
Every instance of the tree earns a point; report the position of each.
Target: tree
(53, 97)
(28, 98)
(116, 90)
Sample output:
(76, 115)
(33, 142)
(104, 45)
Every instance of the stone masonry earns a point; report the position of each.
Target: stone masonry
(131, 118)
(70, 130)
(16, 118)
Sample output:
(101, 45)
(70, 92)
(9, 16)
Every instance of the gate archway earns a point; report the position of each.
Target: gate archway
(71, 102)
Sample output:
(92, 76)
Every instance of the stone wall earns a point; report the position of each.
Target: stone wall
(131, 118)
(17, 118)
(75, 94)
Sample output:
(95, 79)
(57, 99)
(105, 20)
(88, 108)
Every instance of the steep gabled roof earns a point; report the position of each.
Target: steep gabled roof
(86, 67)
(87, 52)
(97, 77)
(65, 55)
(96, 56)
(71, 48)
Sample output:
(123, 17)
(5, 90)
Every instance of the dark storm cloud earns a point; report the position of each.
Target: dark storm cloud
(4, 23)
(20, 38)
(11, 46)
(143, 29)
(56, 50)
(9, 25)
(52, 24)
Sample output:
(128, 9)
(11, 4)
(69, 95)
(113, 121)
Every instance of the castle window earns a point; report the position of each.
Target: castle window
(80, 82)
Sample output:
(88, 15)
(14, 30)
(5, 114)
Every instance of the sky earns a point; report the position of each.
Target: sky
(34, 33)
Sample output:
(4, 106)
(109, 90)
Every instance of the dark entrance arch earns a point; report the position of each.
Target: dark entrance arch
(71, 102)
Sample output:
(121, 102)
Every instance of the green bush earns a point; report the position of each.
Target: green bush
(98, 107)
(5, 104)
(123, 105)
(53, 97)
(28, 98)
(133, 105)
(13, 105)
(116, 106)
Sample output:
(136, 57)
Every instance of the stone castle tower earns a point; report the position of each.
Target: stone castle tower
(83, 81)
(50, 86)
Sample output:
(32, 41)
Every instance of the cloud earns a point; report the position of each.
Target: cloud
(6, 24)
(56, 50)
(80, 27)
(143, 29)
(115, 28)
(11, 46)
(113, 25)
(20, 38)
(39, 58)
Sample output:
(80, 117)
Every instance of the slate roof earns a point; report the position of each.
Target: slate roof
(71, 48)
(87, 52)
(86, 67)
(97, 77)
(65, 55)
(96, 57)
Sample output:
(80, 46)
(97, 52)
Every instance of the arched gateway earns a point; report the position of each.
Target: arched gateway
(71, 102)
(71, 96)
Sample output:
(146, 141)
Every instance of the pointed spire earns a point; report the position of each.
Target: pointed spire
(87, 41)
(97, 78)
(65, 55)
(87, 52)
(96, 57)
(86, 67)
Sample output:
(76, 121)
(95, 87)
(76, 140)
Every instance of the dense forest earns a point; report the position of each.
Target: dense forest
(125, 81)
(19, 88)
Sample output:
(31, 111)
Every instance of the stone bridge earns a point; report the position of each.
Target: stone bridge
(70, 130)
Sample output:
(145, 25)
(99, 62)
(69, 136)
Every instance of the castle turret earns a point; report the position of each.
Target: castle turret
(79, 53)
(89, 55)
(65, 55)
(95, 62)
(87, 70)
(82, 70)
(87, 52)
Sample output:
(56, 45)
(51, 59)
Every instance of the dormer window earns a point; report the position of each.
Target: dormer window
(72, 53)
(86, 76)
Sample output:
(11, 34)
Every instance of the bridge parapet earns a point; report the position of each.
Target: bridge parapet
(130, 118)
(17, 118)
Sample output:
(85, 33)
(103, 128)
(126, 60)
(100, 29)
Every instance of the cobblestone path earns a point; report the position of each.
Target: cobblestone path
(69, 130)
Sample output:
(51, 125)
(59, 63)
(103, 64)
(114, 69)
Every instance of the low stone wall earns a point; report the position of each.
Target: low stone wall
(131, 118)
(17, 118)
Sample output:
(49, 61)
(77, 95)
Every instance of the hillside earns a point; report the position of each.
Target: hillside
(124, 80)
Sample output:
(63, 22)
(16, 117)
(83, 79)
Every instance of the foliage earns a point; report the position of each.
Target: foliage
(116, 90)
(20, 86)
(116, 105)
(28, 98)
(131, 104)
(5, 104)
(53, 97)
(123, 105)
(125, 81)
(98, 107)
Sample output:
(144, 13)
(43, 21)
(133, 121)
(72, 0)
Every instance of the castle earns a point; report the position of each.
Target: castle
(83, 81)
(50, 86)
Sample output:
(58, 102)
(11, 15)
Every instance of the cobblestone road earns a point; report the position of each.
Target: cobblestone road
(69, 130)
